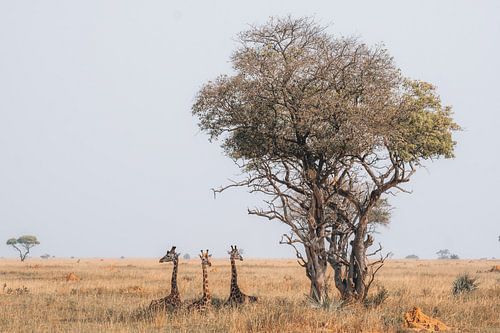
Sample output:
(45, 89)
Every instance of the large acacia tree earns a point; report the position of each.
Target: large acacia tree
(324, 127)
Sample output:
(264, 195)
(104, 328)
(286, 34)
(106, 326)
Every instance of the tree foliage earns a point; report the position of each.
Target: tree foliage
(324, 127)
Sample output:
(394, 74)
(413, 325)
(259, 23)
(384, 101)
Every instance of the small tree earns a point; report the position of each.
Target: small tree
(411, 256)
(186, 256)
(23, 245)
(443, 254)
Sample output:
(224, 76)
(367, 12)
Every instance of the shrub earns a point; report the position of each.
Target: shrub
(377, 299)
(464, 283)
(328, 303)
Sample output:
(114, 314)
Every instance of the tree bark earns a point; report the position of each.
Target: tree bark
(316, 272)
(352, 283)
(315, 249)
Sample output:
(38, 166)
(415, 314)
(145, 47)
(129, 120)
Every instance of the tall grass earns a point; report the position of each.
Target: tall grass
(111, 295)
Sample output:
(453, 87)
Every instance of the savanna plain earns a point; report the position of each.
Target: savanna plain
(110, 295)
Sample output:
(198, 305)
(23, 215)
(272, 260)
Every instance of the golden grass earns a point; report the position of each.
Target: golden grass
(110, 293)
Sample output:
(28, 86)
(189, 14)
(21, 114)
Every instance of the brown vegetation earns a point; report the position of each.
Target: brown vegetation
(495, 268)
(112, 301)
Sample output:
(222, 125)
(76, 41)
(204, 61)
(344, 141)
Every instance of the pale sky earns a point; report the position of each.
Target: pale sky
(101, 157)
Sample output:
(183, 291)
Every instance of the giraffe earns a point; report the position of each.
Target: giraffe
(173, 300)
(236, 296)
(205, 301)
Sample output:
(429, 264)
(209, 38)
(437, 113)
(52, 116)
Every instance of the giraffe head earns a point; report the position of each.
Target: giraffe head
(170, 256)
(205, 258)
(235, 253)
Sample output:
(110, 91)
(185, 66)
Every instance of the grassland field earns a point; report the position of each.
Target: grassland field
(110, 294)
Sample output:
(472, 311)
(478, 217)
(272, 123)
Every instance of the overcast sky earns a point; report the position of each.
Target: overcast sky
(100, 156)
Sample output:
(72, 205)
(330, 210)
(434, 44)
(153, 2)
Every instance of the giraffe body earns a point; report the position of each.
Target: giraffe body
(173, 300)
(236, 296)
(205, 301)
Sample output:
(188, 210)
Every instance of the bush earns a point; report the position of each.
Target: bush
(464, 283)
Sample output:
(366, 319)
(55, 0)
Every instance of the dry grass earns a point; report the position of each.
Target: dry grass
(110, 293)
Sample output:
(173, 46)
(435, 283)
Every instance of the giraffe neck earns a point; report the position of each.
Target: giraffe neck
(234, 276)
(173, 288)
(206, 292)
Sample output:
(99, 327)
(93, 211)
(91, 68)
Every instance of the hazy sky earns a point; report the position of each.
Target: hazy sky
(100, 155)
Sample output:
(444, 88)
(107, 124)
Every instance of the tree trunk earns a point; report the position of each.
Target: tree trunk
(360, 270)
(355, 290)
(316, 272)
(315, 251)
(318, 289)
(23, 256)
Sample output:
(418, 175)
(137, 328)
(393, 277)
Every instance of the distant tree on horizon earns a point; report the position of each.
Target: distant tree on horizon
(412, 256)
(443, 254)
(23, 245)
(446, 254)
(186, 256)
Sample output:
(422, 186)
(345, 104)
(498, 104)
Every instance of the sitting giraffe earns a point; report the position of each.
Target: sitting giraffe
(236, 296)
(172, 301)
(205, 301)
